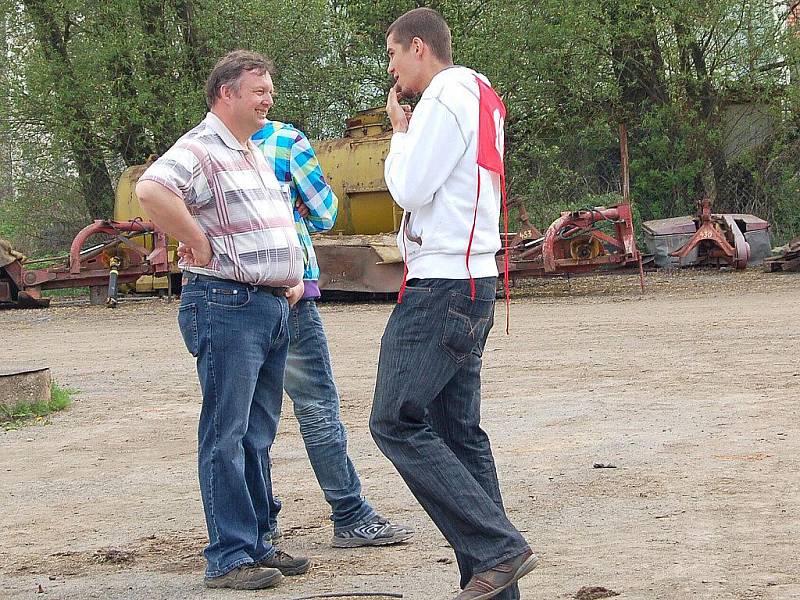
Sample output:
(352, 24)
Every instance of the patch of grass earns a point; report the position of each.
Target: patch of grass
(66, 292)
(26, 414)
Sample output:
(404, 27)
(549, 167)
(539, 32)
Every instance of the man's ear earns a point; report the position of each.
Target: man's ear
(417, 45)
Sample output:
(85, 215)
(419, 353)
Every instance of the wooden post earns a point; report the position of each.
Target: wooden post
(623, 151)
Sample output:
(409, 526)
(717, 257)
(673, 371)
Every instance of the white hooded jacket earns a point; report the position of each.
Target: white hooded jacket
(432, 173)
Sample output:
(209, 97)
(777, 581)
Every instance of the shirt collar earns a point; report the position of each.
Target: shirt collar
(216, 124)
(266, 131)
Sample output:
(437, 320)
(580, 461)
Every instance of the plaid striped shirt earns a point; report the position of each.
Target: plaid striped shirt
(236, 200)
(291, 156)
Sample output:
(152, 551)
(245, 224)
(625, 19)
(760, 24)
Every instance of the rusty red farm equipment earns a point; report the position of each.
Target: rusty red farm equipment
(581, 241)
(717, 239)
(708, 239)
(130, 249)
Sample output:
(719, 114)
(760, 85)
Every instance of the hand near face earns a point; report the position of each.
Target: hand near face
(399, 115)
(195, 257)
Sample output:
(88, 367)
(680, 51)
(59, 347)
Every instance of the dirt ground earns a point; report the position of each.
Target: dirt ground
(690, 391)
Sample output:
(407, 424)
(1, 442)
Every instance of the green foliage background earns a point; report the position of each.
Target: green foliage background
(91, 87)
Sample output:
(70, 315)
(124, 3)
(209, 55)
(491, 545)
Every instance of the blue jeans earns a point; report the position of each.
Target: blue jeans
(239, 335)
(426, 418)
(309, 383)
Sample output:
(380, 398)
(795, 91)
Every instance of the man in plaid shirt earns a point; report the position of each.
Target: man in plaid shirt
(215, 193)
(309, 379)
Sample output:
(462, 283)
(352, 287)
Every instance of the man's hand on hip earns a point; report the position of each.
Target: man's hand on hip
(302, 209)
(293, 294)
(195, 257)
(169, 213)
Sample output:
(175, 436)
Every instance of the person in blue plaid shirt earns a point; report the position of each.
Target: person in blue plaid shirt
(309, 379)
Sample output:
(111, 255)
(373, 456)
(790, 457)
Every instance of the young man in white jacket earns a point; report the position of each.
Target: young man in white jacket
(426, 411)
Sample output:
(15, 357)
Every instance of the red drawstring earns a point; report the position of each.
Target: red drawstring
(505, 246)
(505, 243)
(472, 235)
(405, 261)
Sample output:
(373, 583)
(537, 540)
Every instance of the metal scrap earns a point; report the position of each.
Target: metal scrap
(786, 258)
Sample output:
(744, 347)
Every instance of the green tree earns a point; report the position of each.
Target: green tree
(91, 87)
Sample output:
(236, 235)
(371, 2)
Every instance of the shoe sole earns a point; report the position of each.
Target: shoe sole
(259, 584)
(525, 568)
(363, 542)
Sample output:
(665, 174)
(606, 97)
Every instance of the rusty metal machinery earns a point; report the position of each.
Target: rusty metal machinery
(122, 257)
(360, 254)
(591, 239)
(717, 239)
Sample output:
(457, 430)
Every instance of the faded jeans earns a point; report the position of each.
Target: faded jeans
(426, 418)
(309, 383)
(239, 335)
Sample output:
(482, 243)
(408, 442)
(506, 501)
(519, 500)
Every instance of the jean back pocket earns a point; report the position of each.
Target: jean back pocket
(466, 325)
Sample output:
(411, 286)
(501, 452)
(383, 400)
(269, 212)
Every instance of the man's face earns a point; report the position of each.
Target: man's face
(250, 105)
(404, 65)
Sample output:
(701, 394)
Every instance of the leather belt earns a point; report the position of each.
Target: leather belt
(279, 291)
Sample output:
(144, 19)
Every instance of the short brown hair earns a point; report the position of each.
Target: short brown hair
(429, 26)
(228, 71)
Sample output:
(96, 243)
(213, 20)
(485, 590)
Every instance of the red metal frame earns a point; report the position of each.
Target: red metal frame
(551, 254)
(581, 223)
(712, 239)
(91, 268)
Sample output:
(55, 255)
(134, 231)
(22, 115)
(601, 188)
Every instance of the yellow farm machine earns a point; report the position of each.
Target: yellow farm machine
(359, 254)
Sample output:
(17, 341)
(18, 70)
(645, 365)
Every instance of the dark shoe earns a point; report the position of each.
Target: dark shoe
(378, 531)
(287, 564)
(490, 583)
(246, 577)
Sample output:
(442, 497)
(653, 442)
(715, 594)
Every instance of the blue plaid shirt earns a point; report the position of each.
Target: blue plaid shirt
(291, 156)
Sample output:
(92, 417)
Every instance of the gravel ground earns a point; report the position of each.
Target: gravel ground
(690, 391)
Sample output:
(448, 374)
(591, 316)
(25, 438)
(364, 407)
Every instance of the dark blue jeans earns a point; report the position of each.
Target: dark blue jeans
(309, 383)
(426, 418)
(239, 334)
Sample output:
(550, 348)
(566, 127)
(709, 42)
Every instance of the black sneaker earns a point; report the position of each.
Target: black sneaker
(378, 531)
(246, 577)
(287, 564)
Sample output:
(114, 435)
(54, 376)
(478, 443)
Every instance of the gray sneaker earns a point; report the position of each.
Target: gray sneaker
(378, 531)
(246, 577)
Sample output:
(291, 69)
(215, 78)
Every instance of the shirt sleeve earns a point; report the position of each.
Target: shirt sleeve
(311, 186)
(421, 159)
(180, 170)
